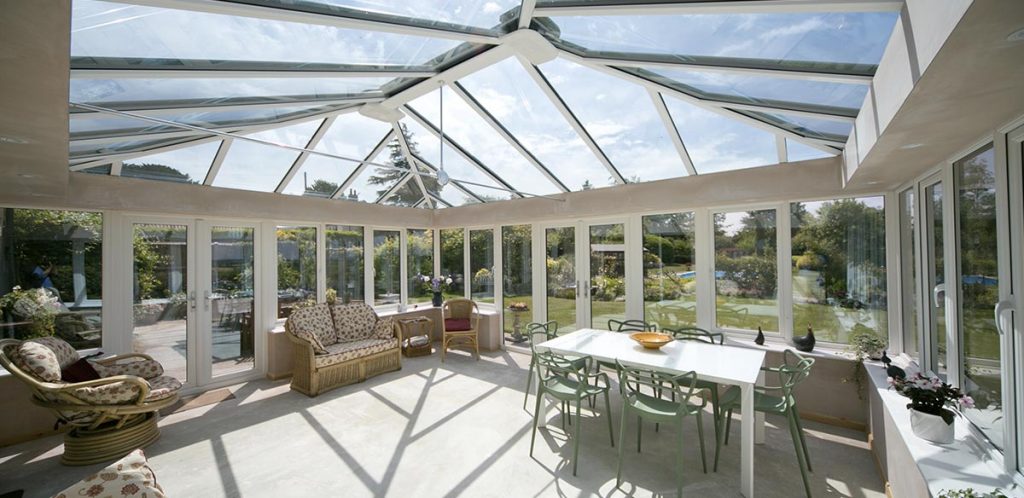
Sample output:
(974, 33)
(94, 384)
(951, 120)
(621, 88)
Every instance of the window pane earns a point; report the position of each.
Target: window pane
(193, 91)
(908, 273)
(352, 135)
(796, 151)
(607, 274)
(560, 275)
(670, 277)
(979, 290)
(255, 166)
(717, 143)
(387, 271)
(160, 270)
(345, 262)
(52, 257)
(481, 265)
(420, 247)
(935, 273)
(839, 268)
(745, 270)
(296, 267)
(517, 279)
(428, 147)
(185, 165)
(453, 245)
(852, 38)
(826, 129)
(475, 13)
(110, 29)
(622, 120)
(233, 280)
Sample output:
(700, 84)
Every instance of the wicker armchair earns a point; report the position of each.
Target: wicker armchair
(109, 416)
(461, 326)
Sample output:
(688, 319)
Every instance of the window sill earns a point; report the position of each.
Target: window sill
(965, 463)
(778, 345)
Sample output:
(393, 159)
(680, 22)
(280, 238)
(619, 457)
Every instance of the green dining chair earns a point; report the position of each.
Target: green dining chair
(561, 379)
(659, 410)
(631, 326)
(698, 334)
(781, 401)
(537, 332)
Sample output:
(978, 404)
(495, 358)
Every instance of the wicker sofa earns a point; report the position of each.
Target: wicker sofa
(339, 345)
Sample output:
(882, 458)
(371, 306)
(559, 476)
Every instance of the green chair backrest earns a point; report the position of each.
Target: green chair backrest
(631, 326)
(633, 380)
(551, 365)
(539, 332)
(794, 370)
(697, 334)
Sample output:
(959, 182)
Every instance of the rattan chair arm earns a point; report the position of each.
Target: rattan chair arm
(142, 384)
(301, 343)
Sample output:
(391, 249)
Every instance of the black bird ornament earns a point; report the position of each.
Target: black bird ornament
(805, 343)
(759, 340)
(892, 370)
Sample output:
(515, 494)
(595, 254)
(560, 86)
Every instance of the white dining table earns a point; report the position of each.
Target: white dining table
(722, 364)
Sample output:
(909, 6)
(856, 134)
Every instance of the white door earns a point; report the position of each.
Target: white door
(602, 269)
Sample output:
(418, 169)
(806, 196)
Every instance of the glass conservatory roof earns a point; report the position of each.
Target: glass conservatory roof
(367, 100)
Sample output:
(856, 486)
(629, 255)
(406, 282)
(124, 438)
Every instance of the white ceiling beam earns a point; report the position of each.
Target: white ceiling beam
(507, 135)
(791, 74)
(613, 8)
(823, 145)
(363, 165)
(780, 110)
(673, 131)
(404, 145)
(168, 108)
(563, 108)
(218, 160)
(780, 147)
(503, 185)
(314, 140)
(239, 8)
(526, 10)
(106, 159)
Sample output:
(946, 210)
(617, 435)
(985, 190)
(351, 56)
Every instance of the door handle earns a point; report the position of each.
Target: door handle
(192, 299)
(936, 291)
(1002, 307)
(207, 297)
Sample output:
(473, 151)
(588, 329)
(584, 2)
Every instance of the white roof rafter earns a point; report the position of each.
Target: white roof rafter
(314, 140)
(672, 130)
(625, 8)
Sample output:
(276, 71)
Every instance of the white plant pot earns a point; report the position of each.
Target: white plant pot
(931, 427)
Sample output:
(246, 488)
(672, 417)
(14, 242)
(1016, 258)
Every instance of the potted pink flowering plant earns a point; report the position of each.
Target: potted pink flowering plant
(929, 398)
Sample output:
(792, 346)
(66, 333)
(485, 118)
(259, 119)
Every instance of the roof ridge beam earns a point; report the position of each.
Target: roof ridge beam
(673, 130)
(793, 74)
(547, 8)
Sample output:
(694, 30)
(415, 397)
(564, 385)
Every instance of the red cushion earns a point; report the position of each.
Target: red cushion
(79, 371)
(456, 324)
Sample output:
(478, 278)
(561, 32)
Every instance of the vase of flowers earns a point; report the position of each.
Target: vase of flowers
(437, 286)
(930, 418)
(38, 306)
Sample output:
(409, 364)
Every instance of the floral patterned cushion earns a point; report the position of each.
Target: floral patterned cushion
(384, 329)
(310, 338)
(354, 321)
(315, 320)
(147, 369)
(129, 476)
(116, 393)
(344, 351)
(45, 356)
(162, 387)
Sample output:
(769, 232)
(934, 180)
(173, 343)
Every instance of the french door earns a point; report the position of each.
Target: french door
(585, 274)
(194, 297)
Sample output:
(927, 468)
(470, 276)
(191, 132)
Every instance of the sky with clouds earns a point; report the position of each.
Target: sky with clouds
(620, 116)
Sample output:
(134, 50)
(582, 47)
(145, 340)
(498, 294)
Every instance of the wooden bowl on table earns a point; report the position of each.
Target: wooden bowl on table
(651, 340)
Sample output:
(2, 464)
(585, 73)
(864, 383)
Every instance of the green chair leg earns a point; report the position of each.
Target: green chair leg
(536, 417)
(803, 441)
(576, 439)
(728, 425)
(608, 415)
(715, 411)
(622, 444)
(529, 381)
(718, 443)
(700, 435)
(679, 461)
(799, 453)
(639, 431)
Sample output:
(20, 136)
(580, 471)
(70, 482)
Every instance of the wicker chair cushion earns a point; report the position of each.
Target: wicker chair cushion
(162, 387)
(314, 321)
(117, 393)
(79, 371)
(44, 357)
(457, 324)
(384, 329)
(147, 369)
(129, 476)
(354, 321)
(344, 351)
(310, 338)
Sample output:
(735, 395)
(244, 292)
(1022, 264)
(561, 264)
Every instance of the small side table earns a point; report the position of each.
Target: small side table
(416, 336)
